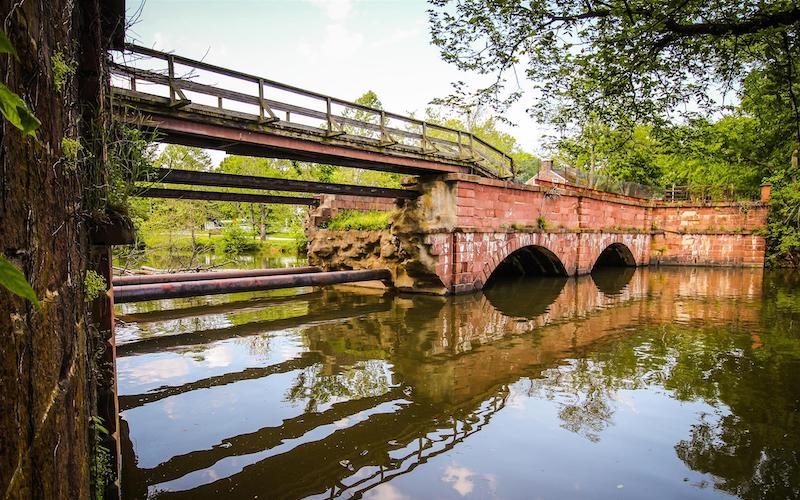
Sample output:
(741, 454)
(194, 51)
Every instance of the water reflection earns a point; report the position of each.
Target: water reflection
(677, 383)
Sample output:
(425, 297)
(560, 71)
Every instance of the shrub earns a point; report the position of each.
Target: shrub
(541, 223)
(236, 241)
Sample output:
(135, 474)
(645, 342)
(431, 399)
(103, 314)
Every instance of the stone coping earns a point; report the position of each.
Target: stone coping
(586, 193)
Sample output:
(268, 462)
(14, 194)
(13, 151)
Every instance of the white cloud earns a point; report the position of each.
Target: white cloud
(385, 491)
(159, 370)
(460, 477)
(219, 356)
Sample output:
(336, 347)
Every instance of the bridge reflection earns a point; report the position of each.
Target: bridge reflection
(334, 393)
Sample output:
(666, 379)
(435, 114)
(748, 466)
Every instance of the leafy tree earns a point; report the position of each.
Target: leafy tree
(176, 214)
(629, 61)
(629, 155)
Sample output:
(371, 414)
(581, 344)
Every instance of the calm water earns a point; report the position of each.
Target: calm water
(647, 384)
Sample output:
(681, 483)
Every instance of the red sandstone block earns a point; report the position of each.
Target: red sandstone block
(465, 202)
(466, 193)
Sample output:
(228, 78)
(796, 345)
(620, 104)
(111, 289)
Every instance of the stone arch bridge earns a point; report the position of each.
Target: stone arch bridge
(463, 230)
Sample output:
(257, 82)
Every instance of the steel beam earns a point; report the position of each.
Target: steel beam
(192, 129)
(189, 177)
(156, 291)
(145, 279)
(184, 194)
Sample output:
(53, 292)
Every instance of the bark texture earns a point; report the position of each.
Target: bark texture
(45, 370)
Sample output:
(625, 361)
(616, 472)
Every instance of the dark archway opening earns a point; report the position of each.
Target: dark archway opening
(614, 269)
(526, 282)
(615, 255)
(529, 261)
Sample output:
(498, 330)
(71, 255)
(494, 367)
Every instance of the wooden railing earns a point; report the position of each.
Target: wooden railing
(192, 85)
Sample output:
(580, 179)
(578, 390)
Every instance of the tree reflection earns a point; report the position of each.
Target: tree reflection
(751, 443)
(316, 385)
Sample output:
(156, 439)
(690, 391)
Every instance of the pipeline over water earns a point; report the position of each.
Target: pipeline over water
(210, 275)
(156, 291)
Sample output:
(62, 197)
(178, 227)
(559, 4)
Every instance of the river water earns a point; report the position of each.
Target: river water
(653, 383)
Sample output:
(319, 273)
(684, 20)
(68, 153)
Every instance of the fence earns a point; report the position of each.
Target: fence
(589, 180)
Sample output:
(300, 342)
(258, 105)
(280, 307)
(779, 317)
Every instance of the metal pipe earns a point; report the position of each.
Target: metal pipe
(156, 291)
(211, 275)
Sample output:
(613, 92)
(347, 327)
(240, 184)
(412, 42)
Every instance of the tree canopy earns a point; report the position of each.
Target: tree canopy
(629, 61)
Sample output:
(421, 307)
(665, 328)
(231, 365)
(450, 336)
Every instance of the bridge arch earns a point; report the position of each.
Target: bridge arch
(528, 260)
(615, 255)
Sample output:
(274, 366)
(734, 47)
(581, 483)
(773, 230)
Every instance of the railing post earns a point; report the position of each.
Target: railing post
(471, 148)
(386, 139)
(261, 100)
(133, 82)
(425, 137)
(171, 72)
(328, 114)
(460, 146)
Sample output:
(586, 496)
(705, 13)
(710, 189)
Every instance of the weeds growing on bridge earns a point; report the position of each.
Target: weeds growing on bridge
(353, 219)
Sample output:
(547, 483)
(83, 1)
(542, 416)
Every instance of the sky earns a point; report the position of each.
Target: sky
(337, 47)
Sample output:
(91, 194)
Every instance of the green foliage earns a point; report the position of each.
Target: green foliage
(6, 47)
(236, 241)
(63, 69)
(783, 230)
(635, 78)
(71, 149)
(94, 285)
(14, 281)
(541, 223)
(627, 61)
(101, 471)
(352, 219)
(12, 107)
(131, 153)
(17, 113)
(628, 155)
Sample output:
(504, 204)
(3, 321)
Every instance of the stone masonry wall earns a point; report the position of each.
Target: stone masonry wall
(717, 234)
(453, 237)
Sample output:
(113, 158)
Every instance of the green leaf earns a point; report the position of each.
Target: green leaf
(16, 111)
(13, 279)
(6, 47)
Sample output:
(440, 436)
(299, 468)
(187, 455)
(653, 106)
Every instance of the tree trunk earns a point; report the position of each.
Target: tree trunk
(252, 221)
(263, 222)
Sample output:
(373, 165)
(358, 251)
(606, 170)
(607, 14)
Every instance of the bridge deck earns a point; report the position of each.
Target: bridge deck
(213, 107)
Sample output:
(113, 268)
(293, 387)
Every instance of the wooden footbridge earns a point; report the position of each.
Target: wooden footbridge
(194, 103)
